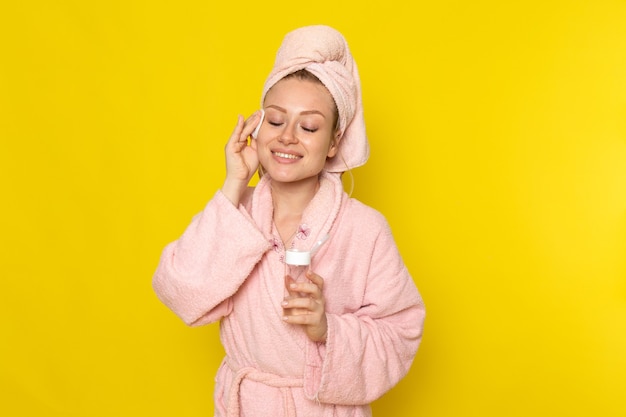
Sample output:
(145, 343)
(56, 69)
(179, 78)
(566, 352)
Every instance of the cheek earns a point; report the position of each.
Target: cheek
(261, 151)
(261, 141)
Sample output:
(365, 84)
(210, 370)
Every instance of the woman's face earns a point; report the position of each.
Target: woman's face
(298, 132)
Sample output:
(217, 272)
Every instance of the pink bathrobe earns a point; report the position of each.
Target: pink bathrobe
(228, 266)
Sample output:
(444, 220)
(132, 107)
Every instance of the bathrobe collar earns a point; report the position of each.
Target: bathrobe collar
(317, 219)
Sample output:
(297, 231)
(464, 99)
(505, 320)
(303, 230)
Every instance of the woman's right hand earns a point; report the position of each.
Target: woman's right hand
(241, 158)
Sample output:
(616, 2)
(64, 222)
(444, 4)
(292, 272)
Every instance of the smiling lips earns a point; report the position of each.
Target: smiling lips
(286, 155)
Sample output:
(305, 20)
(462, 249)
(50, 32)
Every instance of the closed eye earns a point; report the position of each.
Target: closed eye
(310, 130)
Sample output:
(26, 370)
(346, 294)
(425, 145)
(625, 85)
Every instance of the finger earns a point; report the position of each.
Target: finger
(306, 319)
(253, 144)
(312, 287)
(300, 305)
(306, 290)
(234, 137)
(289, 283)
(315, 279)
(249, 126)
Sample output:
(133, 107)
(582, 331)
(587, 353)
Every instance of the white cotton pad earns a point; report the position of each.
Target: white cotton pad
(255, 133)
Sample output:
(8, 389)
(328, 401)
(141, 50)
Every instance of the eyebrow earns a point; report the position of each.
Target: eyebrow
(302, 113)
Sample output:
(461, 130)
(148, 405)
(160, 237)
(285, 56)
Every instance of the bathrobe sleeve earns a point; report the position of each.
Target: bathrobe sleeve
(368, 350)
(198, 273)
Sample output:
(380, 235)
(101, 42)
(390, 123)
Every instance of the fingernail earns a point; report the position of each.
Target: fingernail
(293, 286)
(284, 303)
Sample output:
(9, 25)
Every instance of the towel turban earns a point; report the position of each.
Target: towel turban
(324, 52)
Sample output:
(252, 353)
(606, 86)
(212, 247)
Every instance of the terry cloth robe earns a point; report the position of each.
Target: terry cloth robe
(228, 266)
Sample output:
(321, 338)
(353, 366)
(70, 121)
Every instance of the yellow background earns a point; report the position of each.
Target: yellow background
(498, 136)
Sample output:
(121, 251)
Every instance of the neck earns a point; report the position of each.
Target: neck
(290, 199)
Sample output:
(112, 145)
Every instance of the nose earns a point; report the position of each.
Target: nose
(288, 135)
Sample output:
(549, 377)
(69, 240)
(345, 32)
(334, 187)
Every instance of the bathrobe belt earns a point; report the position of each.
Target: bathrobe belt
(272, 380)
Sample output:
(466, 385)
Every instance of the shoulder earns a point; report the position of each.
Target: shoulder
(365, 233)
(361, 216)
(358, 207)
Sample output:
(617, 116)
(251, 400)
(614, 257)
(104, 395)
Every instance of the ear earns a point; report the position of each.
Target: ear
(334, 144)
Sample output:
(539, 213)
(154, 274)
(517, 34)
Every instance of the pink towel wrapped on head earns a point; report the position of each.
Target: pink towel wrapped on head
(324, 52)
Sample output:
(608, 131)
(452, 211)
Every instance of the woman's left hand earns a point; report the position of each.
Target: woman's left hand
(305, 306)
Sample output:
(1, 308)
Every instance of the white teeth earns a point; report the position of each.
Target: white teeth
(286, 155)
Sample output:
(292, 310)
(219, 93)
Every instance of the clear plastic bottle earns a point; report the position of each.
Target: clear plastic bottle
(296, 263)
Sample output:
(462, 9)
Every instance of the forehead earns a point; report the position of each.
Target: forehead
(300, 95)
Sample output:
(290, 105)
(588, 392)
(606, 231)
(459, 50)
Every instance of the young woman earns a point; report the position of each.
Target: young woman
(328, 340)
